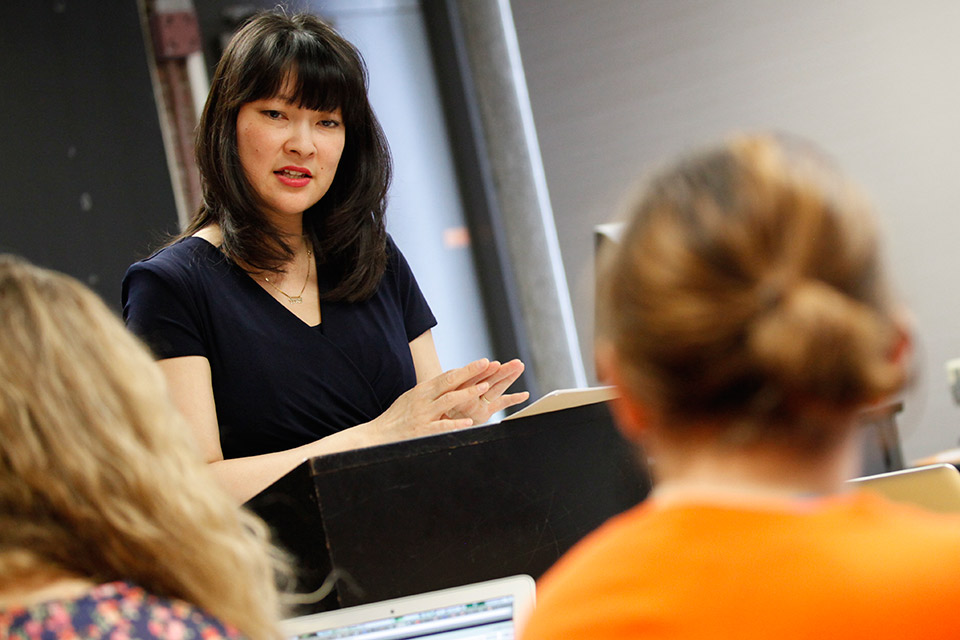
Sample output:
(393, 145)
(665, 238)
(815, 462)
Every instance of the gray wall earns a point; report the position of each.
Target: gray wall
(618, 85)
(83, 176)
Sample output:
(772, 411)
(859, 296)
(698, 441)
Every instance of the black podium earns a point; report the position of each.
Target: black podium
(454, 508)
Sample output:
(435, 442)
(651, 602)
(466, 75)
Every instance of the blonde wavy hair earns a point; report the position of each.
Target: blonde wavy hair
(747, 292)
(98, 477)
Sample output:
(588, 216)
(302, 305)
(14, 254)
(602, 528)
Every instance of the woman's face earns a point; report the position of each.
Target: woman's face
(288, 153)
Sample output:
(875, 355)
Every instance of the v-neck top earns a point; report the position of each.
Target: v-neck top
(277, 382)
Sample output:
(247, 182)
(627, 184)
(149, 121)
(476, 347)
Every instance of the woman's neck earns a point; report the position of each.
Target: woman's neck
(298, 242)
(288, 226)
(751, 475)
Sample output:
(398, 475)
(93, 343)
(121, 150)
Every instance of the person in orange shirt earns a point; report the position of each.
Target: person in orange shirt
(745, 319)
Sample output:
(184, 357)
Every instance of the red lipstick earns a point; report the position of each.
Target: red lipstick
(293, 176)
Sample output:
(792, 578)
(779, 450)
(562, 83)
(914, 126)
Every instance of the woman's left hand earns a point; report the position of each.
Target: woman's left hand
(499, 377)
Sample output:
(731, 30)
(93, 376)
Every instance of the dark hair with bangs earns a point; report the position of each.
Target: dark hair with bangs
(347, 225)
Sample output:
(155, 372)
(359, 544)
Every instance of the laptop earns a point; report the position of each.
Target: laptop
(935, 487)
(491, 610)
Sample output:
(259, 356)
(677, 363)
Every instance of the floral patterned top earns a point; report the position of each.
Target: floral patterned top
(113, 611)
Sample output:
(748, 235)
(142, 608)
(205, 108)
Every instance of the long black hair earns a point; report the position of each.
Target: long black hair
(346, 226)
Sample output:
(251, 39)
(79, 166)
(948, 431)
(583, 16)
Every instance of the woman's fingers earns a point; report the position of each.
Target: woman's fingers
(486, 375)
(484, 410)
(430, 406)
(505, 376)
(456, 378)
(499, 376)
(475, 391)
(510, 399)
(445, 404)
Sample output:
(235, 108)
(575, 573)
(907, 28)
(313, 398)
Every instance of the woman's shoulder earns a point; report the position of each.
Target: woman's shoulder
(159, 617)
(185, 258)
(396, 262)
(114, 607)
(182, 252)
(390, 246)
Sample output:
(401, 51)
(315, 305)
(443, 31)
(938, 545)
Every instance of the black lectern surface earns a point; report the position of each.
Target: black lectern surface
(454, 508)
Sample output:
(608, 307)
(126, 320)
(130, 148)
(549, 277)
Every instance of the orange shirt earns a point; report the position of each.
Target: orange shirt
(844, 567)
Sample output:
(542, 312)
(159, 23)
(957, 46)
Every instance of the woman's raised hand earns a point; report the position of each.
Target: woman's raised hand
(499, 376)
(430, 407)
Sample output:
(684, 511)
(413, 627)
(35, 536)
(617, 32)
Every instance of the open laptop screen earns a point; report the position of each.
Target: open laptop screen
(488, 611)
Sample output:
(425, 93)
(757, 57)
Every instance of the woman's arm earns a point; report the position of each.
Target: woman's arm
(418, 412)
(189, 382)
(426, 362)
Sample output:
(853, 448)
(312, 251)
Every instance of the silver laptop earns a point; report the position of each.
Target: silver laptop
(492, 610)
(935, 487)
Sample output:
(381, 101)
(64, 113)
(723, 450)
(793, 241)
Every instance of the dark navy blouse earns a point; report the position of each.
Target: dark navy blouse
(277, 382)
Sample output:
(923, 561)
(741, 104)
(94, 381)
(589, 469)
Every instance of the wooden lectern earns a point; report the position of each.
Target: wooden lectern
(454, 508)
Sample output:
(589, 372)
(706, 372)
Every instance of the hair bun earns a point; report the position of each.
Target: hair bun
(823, 346)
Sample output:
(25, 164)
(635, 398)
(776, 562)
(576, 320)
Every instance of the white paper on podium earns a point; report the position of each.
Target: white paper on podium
(566, 399)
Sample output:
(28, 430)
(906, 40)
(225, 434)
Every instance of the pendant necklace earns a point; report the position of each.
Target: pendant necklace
(297, 299)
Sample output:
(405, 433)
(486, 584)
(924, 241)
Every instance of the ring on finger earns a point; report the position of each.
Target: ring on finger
(484, 400)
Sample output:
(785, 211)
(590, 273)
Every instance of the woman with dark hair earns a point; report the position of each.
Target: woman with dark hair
(287, 321)
(745, 319)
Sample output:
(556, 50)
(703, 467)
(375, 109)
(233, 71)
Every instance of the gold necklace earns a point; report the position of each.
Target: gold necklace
(297, 299)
